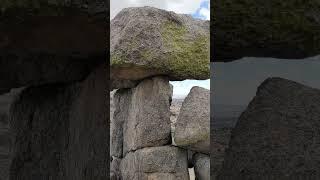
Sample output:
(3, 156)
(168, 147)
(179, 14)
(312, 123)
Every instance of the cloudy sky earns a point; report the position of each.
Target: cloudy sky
(197, 8)
(236, 83)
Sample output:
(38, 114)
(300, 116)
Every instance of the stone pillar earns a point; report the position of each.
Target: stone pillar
(61, 131)
(141, 134)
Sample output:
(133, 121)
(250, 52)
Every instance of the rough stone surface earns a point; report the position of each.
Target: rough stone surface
(155, 163)
(202, 166)
(259, 28)
(145, 111)
(193, 124)
(121, 101)
(50, 49)
(277, 136)
(219, 143)
(146, 41)
(115, 169)
(60, 131)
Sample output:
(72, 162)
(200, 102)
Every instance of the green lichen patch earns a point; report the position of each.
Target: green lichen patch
(187, 55)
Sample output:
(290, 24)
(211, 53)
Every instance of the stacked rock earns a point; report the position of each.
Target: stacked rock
(149, 47)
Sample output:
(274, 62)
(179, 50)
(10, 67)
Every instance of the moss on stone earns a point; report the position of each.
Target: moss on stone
(187, 55)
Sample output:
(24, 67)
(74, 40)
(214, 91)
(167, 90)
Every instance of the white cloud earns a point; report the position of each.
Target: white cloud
(178, 6)
(205, 11)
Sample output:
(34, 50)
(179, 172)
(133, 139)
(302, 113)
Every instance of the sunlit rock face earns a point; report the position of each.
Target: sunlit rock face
(146, 41)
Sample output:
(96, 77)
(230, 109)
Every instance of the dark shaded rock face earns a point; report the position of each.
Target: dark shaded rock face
(258, 28)
(61, 131)
(277, 136)
(50, 49)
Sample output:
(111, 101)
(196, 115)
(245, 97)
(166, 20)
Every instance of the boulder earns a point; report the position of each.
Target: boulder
(156, 163)
(50, 49)
(193, 124)
(147, 41)
(259, 28)
(145, 113)
(202, 166)
(277, 136)
(60, 131)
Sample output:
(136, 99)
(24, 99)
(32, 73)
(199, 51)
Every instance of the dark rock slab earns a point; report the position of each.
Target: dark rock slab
(277, 136)
(61, 131)
(258, 28)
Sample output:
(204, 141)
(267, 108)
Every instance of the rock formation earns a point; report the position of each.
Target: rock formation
(149, 47)
(59, 121)
(258, 28)
(60, 131)
(50, 49)
(277, 136)
(193, 123)
(147, 41)
(202, 166)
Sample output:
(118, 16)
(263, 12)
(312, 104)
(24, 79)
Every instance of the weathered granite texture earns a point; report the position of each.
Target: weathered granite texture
(277, 136)
(146, 41)
(193, 124)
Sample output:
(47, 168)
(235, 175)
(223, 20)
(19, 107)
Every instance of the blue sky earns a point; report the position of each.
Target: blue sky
(182, 88)
(197, 8)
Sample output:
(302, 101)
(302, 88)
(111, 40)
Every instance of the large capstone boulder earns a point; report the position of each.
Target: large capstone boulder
(202, 166)
(277, 136)
(147, 41)
(193, 124)
(156, 163)
(50, 49)
(61, 131)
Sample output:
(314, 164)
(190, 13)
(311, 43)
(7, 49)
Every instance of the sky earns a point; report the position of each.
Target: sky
(236, 83)
(199, 9)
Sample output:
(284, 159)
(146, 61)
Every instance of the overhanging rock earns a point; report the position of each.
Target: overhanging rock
(45, 41)
(259, 28)
(146, 41)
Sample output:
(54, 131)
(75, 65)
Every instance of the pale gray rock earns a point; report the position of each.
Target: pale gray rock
(202, 166)
(155, 163)
(193, 124)
(147, 119)
(61, 131)
(147, 41)
(277, 136)
(115, 169)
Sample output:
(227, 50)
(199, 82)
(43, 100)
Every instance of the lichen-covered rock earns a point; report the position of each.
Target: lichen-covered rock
(259, 28)
(155, 163)
(61, 131)
(193, 124)
(202, 166)
(277, 136)
(146, 41)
